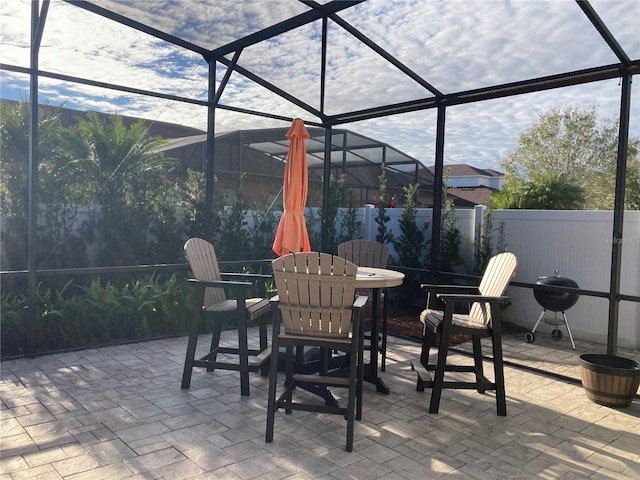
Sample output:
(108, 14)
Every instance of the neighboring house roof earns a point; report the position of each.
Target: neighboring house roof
(469, 197)
(460, 170)
(469, 186)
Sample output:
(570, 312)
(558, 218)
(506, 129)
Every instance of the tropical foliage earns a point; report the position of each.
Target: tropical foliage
(100, 313)
(106, 197)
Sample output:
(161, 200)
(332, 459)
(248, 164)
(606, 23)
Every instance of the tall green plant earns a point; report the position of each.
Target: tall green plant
(313, 219)
(340, 227)
(350, 226)
(484, 247)
(193, 203)
(263, 233)
(141, 300)
(450, 239)
(335, 200)
(383, 235)
(410, 244)
(233, 243)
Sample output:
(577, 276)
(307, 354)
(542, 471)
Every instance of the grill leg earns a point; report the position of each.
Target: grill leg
(568, 330)
(533, 330)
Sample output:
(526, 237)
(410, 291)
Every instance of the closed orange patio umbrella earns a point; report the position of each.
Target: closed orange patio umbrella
(292, 235)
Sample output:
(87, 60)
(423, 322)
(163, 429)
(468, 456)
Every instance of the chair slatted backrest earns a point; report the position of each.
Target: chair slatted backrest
(316, 293)
(204, 264)
(365, 253)
(495, 280)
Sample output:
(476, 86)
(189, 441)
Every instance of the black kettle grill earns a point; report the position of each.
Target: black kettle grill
(554, 302)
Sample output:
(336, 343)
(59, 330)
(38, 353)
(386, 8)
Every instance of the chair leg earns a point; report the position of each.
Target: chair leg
(243, 351)
(264, 371)
(498, 367)
(477, 362)
(351, 399)
(359, 377)
(289, 379)
(428, 339)
(215, 341)
(193, 339)
(273, 380)
(383, 361)
(438, 380)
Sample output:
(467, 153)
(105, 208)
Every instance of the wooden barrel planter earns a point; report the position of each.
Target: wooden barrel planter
(609, 380)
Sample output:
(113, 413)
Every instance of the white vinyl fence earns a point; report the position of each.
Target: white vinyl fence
(576, 243)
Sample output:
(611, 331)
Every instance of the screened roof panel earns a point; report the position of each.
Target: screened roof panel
(289, 61)
(622, 18)
(208, 24)
(380, 53)
(14, 33)
(79, 43)
(463, 45)
(468, 45)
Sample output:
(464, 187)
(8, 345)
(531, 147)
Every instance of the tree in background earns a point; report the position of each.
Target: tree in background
(542, 192)
(573, 150)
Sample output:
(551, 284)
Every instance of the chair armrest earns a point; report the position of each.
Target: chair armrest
(445, 297)
(219, 283)
(456, 289)
(360, 301)
(248, 276)
(434, 291)
(258, 279)
(356, 312)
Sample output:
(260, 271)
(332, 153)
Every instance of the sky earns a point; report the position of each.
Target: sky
(454, 45)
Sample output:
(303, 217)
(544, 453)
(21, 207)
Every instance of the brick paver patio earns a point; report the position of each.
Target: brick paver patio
(119, 412)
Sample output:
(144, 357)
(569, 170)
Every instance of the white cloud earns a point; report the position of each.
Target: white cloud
(454, 45)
